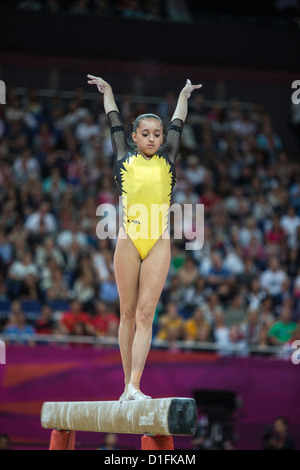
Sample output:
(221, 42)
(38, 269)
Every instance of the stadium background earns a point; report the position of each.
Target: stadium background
(249, 54)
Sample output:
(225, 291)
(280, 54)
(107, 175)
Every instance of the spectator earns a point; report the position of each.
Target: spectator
(18, 273)
(251, 328)
(294, 192)
(57, 288)
(290, 222)
(54, 185)
(220, 330)
(41, 223)
(210, 199)
(234, 261)
(188, 273)
(269, 141)
(75, 114)
(46, 324)
(84, 289)
(70, 235)
(76, 316)
(45, 139)
(197, 327)
(25, 167)
(237, 345)
(194, 294)
(236, 313)
(5, 443)
(271, 280)
(292, 262)
(46, 250)
(237, 204)
(266, 315)
(110, 442)
(219, 278)
(6, 249)
(18, 330)
(195, 172)
(275, 234)
(80, 329)
(296, 286)
(175, 293)
(278, 437)
(248, 278)
(281, 332)
(105, 321)
(86, 130)
(263, 340)
(170, 324)
(108, 291)
(249, 232)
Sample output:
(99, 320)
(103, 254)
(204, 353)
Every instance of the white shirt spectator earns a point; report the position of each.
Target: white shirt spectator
(272, 281)
(87, 129)
(25, 167)
(19, 270)
(195, 173)
(33, 222)
(247, 233)
(234, 263)
(290, 222)
(100, 265)
(67, 237)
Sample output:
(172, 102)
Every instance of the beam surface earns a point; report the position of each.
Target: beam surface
(163, 416)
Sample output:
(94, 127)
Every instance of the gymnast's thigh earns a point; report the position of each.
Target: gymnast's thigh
(153, 274)
(127, 265)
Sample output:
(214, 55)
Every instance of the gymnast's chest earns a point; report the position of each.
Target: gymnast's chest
(137, 174)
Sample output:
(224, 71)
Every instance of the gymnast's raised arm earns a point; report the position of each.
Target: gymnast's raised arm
(118, 136)
(182, 103)
(178, 120)
(106, 89)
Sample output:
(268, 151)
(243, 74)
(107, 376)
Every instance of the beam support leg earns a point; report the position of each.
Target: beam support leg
(62, 440)
(157, 442)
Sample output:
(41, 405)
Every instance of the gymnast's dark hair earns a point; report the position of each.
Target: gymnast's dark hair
(145, 116)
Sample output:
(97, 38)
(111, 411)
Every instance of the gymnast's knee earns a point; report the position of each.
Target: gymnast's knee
(127, 316)
(144, 319)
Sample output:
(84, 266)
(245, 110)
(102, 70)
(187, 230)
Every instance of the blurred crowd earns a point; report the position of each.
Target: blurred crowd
(241, 287)
(136, 9)
(170, 10)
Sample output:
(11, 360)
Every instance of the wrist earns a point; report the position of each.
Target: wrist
(107, 89)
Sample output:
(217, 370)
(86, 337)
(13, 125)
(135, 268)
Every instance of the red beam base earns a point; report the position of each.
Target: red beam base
(157, 443)
(62, 440)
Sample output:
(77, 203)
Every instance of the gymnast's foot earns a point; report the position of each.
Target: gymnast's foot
(135, 394)
(123, 397)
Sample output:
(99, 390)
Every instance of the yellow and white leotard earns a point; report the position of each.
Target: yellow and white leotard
(146, 185)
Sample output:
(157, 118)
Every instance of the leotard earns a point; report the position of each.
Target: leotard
(146, 185)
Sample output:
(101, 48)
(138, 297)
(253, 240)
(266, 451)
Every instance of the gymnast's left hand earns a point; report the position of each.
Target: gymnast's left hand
(101, 84)
(189, 88)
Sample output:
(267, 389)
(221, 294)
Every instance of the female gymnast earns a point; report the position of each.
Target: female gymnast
(146, 177)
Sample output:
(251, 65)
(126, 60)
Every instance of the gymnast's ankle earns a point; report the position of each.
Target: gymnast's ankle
(134, 393)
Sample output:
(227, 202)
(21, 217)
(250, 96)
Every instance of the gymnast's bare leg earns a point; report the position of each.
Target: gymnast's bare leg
(140, 284)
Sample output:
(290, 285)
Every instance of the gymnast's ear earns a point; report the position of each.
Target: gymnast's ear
(133, 135)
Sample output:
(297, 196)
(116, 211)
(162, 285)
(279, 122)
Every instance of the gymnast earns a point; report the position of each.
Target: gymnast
(146, 176)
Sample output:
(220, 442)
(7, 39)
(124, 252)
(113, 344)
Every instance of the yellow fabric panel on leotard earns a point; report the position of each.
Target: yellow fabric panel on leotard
(146, 187)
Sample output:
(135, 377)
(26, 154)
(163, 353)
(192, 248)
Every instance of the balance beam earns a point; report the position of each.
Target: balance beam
(161, 416)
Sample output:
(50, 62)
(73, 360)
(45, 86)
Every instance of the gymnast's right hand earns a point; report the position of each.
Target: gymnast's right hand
(102, 85)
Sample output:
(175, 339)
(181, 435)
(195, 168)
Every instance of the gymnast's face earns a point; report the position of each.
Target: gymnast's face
(148, 136)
